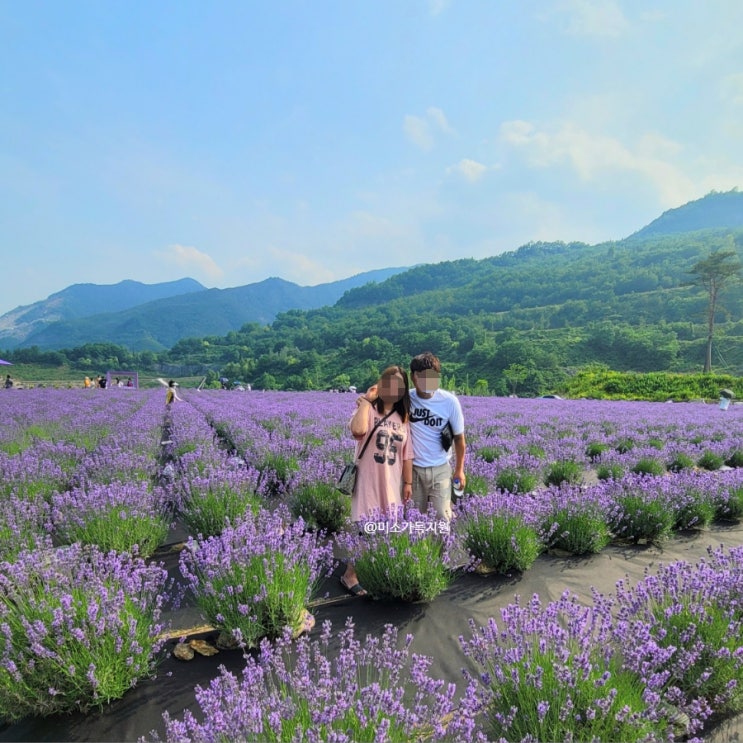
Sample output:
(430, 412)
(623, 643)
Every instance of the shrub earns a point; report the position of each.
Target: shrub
(78, 628)
(729, 504)
(595, 449)
(735, 459)
(126, 517)
(321, 506)
(609, 471)
(276, 473)
(624, 445)
(563, 471)
(476, 485)
(256, 578)
(536, 451)
(490, 453)
(693, 509)
(500, 541)
(690, 621)
(364, 691)
(401, 556)
(552, 675)
(580, 531)
(516, 480)
(711, 461)
(641, 518)
(213, 502)
(649, 466)
(680, 461)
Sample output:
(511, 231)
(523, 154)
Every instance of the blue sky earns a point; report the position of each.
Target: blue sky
(313, 140)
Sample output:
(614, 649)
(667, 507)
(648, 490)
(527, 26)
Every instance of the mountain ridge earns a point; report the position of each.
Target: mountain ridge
(159, 322)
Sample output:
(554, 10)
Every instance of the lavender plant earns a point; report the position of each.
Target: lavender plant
(729, 503)
(123, 517)
(24, 525)
(692, 508)
(641, 510)
(682, 626)
(321, 506)
(711, 460)
(681, 461)
(223, 497)
(611, 471)
(403, 555)
(371, 690)
(496, 534)
(551, 674)
(648, 466)
(576, 523)
(563, 471)
(78, 628)
(517, 480)
(256, 578)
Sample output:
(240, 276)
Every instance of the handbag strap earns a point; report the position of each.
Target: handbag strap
(374, 428)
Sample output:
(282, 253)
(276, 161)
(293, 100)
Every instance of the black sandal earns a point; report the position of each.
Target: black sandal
(355, 590)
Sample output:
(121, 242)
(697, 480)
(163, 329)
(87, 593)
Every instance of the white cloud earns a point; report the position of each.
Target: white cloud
(189, 258)
(420, 130)
(470, 170)
(596, 156)
(593, 17)
(439, 118)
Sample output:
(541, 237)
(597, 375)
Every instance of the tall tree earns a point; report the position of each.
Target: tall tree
(713, 273)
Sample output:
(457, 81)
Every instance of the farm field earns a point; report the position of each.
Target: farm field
(621, 517)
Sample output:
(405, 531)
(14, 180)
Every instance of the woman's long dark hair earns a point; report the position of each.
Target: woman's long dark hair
(402, 406)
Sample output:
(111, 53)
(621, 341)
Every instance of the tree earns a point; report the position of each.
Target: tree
(515, 374)
(713, 273)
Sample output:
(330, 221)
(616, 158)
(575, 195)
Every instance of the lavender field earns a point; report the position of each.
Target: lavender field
(590, 586)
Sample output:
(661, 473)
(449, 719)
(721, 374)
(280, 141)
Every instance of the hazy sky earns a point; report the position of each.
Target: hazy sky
(230, 141)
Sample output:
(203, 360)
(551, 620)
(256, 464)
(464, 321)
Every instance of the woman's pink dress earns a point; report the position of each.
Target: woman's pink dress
(379, 476)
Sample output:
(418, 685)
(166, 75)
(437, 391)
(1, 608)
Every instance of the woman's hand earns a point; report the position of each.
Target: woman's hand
(407, 492)
(369, 396)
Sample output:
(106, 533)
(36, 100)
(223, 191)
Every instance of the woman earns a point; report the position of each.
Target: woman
(384, 479)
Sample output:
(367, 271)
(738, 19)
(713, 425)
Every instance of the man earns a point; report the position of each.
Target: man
(432, 410)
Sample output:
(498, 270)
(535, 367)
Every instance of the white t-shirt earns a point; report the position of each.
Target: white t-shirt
(428, 418)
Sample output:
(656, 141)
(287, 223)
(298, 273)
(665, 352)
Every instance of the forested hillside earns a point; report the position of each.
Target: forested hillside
(518, 322)
(522, 322)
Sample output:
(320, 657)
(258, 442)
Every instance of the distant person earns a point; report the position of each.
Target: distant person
(434, 412)
(8, 381)
(87, 383)
(102, 382)
(129, 382)
(171, 395)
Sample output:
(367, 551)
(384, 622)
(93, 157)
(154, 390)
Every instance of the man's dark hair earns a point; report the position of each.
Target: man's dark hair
(423, 362)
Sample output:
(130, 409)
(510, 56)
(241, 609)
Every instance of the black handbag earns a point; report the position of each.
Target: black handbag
(447, 436)
(347, 480)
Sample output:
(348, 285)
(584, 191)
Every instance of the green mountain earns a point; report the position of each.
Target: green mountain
(523, 321)
(82, 301)
(715, 209)
(157, 325)
(517, 321)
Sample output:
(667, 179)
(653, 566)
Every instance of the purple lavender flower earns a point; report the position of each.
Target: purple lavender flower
(78, 627)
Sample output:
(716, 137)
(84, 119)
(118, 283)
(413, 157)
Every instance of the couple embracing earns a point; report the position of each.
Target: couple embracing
(401, 435)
